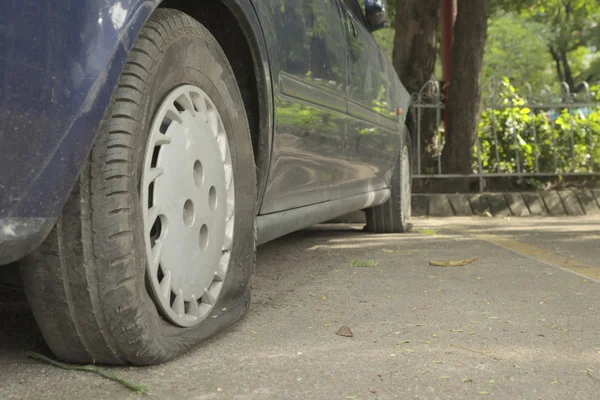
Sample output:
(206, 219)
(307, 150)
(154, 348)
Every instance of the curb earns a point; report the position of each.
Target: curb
(551, 203)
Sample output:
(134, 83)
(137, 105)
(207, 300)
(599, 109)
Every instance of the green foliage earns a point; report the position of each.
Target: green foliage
(536, 139)
(515, 49)
(569, 30)
(385, 39)
(568, 24)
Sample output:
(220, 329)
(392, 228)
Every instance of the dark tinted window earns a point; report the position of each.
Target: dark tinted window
(356, 8)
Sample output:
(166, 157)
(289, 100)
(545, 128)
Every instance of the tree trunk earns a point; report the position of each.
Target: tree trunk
(464, 98)
(417, 22)
(568, 72)
(556, 58)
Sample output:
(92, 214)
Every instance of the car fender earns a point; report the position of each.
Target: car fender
(61, 65)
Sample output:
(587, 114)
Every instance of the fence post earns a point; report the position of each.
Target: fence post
(480, 166)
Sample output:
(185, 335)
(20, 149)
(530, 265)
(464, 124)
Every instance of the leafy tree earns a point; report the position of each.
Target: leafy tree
(516, 50)
(568, 27)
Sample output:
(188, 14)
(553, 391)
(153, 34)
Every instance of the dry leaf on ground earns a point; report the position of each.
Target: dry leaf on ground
(458, 263)
(344, 331)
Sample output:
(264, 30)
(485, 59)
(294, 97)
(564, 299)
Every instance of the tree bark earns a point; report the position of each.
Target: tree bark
(464, 98)
(415, 51)
(568, 72)
(556, 58)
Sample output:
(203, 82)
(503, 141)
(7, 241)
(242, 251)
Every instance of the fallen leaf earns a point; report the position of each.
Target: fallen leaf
(437, 362)
(428, 232)
(458, 263)
(444, 377)
(299, 353)
(409, 350)
(373, 391)
(484, 393)
(553, 382)
(219, 389)
(344, 331)
(224, 309)
(467, 380)
(492, 381)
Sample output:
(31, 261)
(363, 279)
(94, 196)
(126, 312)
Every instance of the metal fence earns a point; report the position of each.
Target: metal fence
(534, 135)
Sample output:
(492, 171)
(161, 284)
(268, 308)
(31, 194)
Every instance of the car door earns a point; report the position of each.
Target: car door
(307, 50)
(373, 125)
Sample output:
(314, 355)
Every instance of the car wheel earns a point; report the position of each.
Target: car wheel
(156, 245)
(394, 215)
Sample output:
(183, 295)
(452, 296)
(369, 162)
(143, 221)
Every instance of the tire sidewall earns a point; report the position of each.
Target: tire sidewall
(192, 59)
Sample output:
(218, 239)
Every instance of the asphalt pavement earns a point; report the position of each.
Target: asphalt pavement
(520, 321)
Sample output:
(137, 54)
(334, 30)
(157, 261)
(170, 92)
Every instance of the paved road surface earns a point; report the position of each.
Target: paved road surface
(522, 322)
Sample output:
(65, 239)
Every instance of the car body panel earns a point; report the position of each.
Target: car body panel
(308, 67)
(61, 62)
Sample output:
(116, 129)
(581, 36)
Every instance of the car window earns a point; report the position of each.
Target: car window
(356, 6)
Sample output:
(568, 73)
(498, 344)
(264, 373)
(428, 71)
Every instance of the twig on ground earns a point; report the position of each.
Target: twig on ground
(89, 368)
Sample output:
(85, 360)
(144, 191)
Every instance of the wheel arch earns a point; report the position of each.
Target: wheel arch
(236, 27)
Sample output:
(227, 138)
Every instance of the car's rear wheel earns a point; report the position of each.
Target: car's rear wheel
(394, 215)
(156, 245)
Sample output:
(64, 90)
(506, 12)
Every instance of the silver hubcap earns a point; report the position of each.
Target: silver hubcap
(405, 186)
(188, 199)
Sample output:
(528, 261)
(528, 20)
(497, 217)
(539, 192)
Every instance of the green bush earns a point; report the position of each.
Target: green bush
(536, 138)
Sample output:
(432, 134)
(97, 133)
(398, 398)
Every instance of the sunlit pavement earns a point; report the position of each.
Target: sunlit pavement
(523, 321)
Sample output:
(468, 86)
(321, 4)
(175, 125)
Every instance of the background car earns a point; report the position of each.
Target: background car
(148, 147)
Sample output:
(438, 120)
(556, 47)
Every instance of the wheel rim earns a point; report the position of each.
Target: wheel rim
(405, 187)
(188, 202)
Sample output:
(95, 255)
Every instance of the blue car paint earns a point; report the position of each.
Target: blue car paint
(60, 63)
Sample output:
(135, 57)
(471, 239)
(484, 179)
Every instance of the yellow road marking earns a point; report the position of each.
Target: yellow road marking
(527, 250)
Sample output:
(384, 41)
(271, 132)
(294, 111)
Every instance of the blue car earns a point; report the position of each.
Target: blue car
(147, 148)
